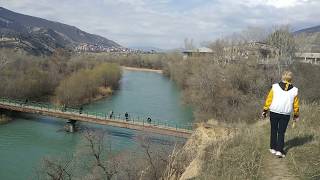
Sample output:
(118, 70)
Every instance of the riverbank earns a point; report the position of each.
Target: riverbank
(102, 92)
(142, 69)
(84, 85)
(190, 159)
(4, 119)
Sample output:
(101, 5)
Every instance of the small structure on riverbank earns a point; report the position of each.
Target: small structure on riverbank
(312, 58)
(199, 52)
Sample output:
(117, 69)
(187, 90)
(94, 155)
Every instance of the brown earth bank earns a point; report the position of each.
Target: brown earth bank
(142, 69)
(189, 159)
(4, 119)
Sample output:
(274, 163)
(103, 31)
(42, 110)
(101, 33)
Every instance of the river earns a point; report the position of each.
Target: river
(29, 138)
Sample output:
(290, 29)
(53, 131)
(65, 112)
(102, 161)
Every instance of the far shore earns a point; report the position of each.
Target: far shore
(142, 69)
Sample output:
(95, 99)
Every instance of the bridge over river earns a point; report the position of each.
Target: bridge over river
(73, 115)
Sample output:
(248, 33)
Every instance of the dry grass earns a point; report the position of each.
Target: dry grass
(303, 143)
(237, 158)
(243, 156)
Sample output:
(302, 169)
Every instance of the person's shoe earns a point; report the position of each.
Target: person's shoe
(280, 155)
(272, 151)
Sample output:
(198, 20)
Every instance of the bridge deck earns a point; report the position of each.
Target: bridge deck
(97, 118)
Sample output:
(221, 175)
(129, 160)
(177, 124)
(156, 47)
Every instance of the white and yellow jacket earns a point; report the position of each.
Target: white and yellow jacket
(283, 99)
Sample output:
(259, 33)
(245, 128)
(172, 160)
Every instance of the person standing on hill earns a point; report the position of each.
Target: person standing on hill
(282, 100)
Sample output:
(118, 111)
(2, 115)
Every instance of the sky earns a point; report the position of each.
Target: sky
(166, 23)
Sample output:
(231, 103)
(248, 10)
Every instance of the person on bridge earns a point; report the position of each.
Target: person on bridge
(26, 101)
(282, 99)
(81, 109)
(127, 116)
(64, 108)
(111, 114)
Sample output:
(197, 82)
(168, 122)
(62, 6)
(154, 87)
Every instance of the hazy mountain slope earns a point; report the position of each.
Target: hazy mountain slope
(313, 29)
(44, 34)
(308, 39)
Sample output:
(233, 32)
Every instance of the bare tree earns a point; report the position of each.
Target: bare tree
(99, 160)
(96, 160)
(305, 42)
(152, 168)
(284, 41)
(254, 34)
(56, 169)
(175, 165)
(219, 47)
(157, 158)
(96, 145)
(188, 44)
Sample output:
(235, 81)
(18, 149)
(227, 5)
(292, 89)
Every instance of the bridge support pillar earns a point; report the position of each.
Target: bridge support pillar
(71, 126)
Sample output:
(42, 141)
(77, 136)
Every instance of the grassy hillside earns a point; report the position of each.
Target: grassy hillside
(303, 144)
(246, 155)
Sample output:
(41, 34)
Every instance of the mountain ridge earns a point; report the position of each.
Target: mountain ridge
(44, 34)
(312, 29)
(310, 39)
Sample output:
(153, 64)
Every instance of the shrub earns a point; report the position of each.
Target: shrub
(81, 86)
(306, 77)
(235, 158)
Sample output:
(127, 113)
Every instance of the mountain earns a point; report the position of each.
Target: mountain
(308, 39)
(42, 36)
(314, 29)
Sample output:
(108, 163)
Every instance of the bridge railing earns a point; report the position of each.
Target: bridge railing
(133, 119)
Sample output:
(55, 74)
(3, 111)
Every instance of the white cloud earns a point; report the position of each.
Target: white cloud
(165, 23)
(275, 3)
(285, 3)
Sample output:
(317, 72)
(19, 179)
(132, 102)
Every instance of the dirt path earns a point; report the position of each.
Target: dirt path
(274, 168)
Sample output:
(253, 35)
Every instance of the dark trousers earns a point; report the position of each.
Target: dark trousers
(279, 123)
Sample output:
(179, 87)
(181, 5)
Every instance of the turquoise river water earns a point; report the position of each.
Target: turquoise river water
(29, 138)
